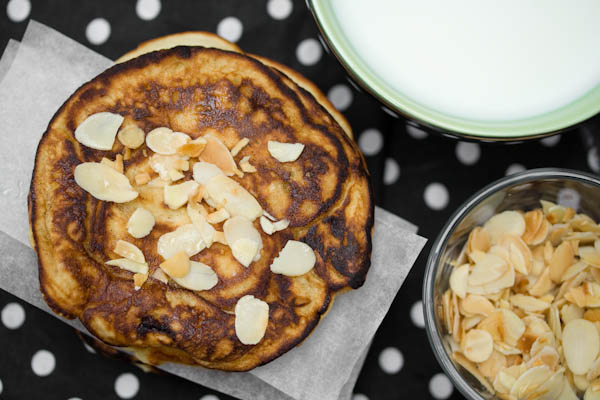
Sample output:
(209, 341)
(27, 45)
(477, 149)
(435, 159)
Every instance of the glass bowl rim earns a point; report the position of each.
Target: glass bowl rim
(433, 334)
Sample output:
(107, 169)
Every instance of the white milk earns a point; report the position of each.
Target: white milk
(479, 59)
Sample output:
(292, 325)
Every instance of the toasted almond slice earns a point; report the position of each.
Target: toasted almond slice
(592, 315)
(528, 303)
(558, 233)
(104, 183)
(470, 322)
(140, 223)
(477, 345)
(175, 175)
(507, 222)
(218, 216)
(160, 275)
(117, 165)
(251, 319)
(98, 131)
(129, 265)
(503, 382)
(457, 333)
(199, 277)
(488, 269)
(555, 214)
(139, 280)
(295, 259)
(582, 237)
(203, 172)
(142, 178)
(490, 367)
(177, 266)
(472, 369)
(581, 383)
(164, 164)
(542, 285)
(505, 281)
(512, 327)
(193, 148)
(131, 136)
(474, 304)
(246, 166)
(594, 371)
(584, 223)
(581, 344)
(220, 238)
(550, 389)
(554, 321)
(546, 355)
(285, 152)
(270, 227)
(240, 229)
(129, 251)
(127, 154)
(529, 381)
(519, 253)
(198, 214)
(239, 146)
(574, 270)
(235, 198)
(506, 349)
(567, 393)
(185, 238)
(447, 310)
(590, 255)
(546, 206)
(593, 391)
(458, 278)
(562, 259)
(542, 233)
(166, 142)
(176, 196)
(218, 154)
(244, 250)
(478, 240)
(533, 222)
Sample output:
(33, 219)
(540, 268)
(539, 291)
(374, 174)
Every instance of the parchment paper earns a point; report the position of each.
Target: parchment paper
(36, 77)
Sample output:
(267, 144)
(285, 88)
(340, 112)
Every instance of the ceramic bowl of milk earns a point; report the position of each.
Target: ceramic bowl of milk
(483, 69)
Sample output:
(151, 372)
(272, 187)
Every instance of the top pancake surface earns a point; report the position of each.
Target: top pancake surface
(325, 195)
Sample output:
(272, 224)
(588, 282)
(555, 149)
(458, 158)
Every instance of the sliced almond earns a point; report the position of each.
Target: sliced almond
(594, 371)
(562, 259)
(554, 321)
(542, 285)
(203, 172)
(477, 345)
(533, 222)
(220, 238)
(218, 154)
(175, 175)
(584, 223)
(239, 146)
(234, 197)
(139, 280)
(193, 149)
(164, 141)
(550, 389)
(177, 266)
(270, 227)
(519, 253)
(129, 265)
(117, 165)
(140, 223)
(529, 381)
(478, 240)
(131, 136)
(507, 222)
(197, 215)
(574, 270)
(163, 165)
(176, 196)
(199, 277)
(251, 319)
(476, 305)
(528, 303)
(581, 344)
(472, 369)
(494, 325)
(458, 278)
(512, 327)
(104, 183)
(218, 216)
(142, 178)
(160, 275)
(490, 367)
(592, 315)
(243, 238)
(185, 238)
(295, 259)
(503, 382)
(285, 152)
(505, 281)
(246, 166)
(98, 131)
(129, 251)
(486, 270)
(590, 255)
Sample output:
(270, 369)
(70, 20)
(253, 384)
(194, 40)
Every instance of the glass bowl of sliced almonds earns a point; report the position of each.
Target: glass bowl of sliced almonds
(512, 289)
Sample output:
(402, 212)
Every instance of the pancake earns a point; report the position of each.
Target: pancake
(209, 39)
(324, 195)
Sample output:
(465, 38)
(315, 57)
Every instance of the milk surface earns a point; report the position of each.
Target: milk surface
(479, 59)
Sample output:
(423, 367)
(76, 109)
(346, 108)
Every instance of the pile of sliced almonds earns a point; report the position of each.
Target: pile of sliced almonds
(523, 309)
(212, 165)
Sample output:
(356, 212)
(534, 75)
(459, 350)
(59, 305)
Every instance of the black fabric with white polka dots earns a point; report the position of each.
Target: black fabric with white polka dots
(418, 175)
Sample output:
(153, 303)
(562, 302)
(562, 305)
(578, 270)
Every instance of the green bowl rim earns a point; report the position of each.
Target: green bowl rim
(539, 126)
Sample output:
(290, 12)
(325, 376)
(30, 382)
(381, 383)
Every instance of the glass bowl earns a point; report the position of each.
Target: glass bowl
(521, 191)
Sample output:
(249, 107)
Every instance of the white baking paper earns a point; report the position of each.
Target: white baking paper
(36, 77)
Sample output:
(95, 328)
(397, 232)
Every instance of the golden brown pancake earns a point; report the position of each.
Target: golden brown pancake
(208, 39)
(325, 195)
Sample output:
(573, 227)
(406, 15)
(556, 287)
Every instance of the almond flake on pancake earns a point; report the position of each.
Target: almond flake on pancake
(239, 146)
(131, 136)
(199, 277)
(285, 152)
(104, 183)
(166, 142)
(98, 131)
(295, 259)
(251, 319)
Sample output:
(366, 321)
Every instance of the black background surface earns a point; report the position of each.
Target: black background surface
(421, 161)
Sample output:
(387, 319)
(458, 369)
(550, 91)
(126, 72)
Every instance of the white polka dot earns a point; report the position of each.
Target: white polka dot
(389, 112)
(391, 171)
(416, 133)
(309, 51)
(147, 9)
(13, 315)
(391, 360)
(370, 142)
(593, 159)
(43, 363)
(341, 96)
(440, 386)
(209, 397)
(359, 396)
(436, 196)
(514, 168)
(468, 153)
(568, 197)
(97, 31)
(416, 314)
(127, 385)
(18, 10)
(279, 9)
(231, 29)
(550, 141)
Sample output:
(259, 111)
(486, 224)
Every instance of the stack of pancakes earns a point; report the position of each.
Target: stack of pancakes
(325, 195)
